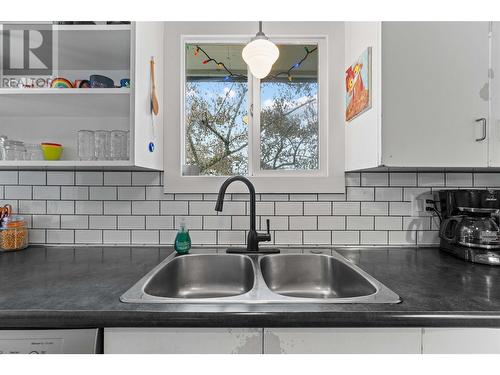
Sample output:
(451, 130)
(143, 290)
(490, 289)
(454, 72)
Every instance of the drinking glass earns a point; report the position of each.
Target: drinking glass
(86, 145)
(102, 144)
(118, 145)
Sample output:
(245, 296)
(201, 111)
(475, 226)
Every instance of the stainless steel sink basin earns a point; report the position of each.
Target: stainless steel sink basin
(313, 276)
(203, 276)
(207, 277)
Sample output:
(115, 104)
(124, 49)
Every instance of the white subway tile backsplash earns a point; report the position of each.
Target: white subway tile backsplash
(130, 207)
(428, 237)
(46, 192)
(345, 237)
(459, 179)
(400, 208)
(388, 223)
(431, 179)
(303, 223)
(18, 192)
(131, 193)
(192, 222)
(145, 237)
(402, 179)
(234, 237)
(359, 222)
(353, 179)
(94, 207)
(416, 223)
(202, 208)
(89, 178)
(156, 193)
(74, 222)
(373, 237)
(374, 179)
(289, 208)
(145, 208)
(374, 208)
(199, 237)
(59, 207)
(37, 236)
(146, 178)
(32, 178)
(275, 222)
(8, 177)
(32, 207)
(388, 194)
(288, 237)
(317, 208)
(159, 222)
(60, 178)
(174, 208)
(88, 236)
(402, 238)
(103, 193)
(118, 178)
(346, 208)
(217, 222)
(46, 221)
(487, 180)
(131, 222)
(360, 193)
(74, 192)
(60, 236)
(102, 222)
(331, 223)
(116, 237)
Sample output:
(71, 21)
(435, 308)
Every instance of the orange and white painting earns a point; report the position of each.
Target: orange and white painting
(358, 86)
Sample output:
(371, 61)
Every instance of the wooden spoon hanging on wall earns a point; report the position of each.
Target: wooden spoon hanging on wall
(154, 99)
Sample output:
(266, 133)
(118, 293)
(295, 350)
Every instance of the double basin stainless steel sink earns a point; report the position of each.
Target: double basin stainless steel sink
(280, 278)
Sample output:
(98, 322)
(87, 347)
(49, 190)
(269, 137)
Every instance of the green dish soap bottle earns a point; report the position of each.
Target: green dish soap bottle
(182, 241)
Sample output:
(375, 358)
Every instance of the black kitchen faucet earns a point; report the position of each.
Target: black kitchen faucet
(253, 237)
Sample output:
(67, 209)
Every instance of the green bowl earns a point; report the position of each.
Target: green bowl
(51, 151)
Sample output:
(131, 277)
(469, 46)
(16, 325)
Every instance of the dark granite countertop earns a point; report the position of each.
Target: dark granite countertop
(80, 287)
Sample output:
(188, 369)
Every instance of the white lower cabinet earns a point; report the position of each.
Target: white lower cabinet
(342, 340)
(301, 340)
(182, 340)
(461, 341)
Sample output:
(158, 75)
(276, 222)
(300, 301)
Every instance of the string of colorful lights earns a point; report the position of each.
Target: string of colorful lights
(221, 65)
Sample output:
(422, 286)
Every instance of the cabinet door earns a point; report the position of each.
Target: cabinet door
(342, 340)
(148, 43)
(434, 87)
(461, 341)
(183, 340)
(494, 136)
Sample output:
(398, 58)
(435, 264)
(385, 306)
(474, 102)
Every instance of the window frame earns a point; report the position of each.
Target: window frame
(322, 179)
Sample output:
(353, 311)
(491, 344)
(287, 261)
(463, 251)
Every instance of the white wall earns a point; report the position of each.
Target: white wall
(362, 134)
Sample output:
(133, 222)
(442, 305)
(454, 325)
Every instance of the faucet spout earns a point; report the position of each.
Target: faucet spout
(251, 189)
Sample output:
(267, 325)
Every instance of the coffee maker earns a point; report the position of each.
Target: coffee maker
(470, 225)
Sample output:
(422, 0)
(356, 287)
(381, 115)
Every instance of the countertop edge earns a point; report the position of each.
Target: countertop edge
(13, 319)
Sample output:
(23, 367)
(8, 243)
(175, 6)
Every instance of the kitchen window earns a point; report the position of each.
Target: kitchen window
(235, 124)
(274, 131)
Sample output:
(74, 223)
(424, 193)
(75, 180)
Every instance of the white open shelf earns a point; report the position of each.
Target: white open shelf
(63, 91)
(92, 27)
(57, 164)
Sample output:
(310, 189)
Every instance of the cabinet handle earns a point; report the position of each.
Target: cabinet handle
(482, 120)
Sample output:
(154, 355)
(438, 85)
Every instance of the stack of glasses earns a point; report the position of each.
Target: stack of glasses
(103, 145)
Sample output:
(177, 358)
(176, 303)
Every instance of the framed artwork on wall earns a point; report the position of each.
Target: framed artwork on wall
(358, 86)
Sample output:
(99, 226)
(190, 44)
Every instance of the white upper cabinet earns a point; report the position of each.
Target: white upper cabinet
(118, 51)
(430, 95)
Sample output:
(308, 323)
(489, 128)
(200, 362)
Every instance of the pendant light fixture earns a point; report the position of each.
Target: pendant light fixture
(260, 54)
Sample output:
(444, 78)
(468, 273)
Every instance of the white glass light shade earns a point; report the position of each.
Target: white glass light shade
(260, 55)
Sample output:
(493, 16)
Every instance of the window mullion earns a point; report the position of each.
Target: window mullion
(255, 130)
